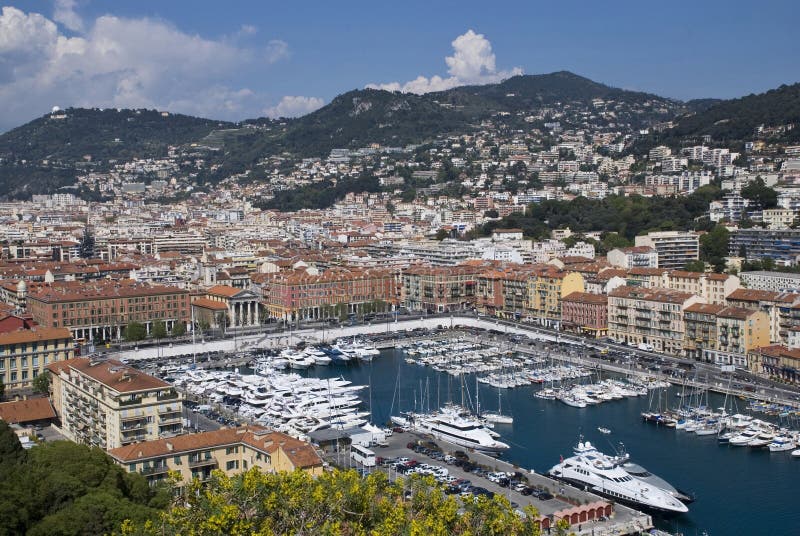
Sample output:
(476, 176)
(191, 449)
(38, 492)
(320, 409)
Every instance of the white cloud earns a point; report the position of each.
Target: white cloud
(64, 13)
(277, 50)
(294, 106)
(472, 62)
(119, 62)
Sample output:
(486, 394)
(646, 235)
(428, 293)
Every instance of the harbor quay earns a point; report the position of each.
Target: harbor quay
(560, 346)
(565, 499)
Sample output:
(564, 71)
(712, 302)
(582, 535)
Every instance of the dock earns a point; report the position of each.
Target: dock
(623, 520)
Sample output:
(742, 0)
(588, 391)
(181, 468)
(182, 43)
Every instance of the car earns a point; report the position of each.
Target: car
(527, 490)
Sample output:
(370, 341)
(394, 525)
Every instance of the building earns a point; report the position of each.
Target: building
(775, 361)
(31, 411)
(778, 218)
(100, 310)
(230, 450)
(25, 353)
(653, 317)
(335, 293)
(106, 403)
(585, 313)
(675, 248)
(547, 286)
(243, 308)
(772, 281)
(633, 257)
(781, 245)
(780, 307)
(724, 335)
(439, 289)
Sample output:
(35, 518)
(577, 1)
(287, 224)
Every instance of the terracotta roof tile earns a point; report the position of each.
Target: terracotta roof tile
(23, 411)
(111, 373)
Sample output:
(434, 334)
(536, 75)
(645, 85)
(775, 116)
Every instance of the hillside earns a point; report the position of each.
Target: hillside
(44, 154)
(736, 120)
(49, 152)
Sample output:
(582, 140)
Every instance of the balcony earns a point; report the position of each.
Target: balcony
(167, 395)
(154, 469)
(127, 440)
(169, 417)
(133, 426)
(203, 462)
(130, 401)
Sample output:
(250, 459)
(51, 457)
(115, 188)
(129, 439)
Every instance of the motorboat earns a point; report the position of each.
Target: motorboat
(594, 471)
(449, 424)
(603, 430)
(782, 443)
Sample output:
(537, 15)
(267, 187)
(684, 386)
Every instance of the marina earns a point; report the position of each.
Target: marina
(542, 430)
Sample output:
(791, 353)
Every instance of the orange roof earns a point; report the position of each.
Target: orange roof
(205, 303)
(752, 295)
(586, 297)
(651, 294)
(300, 453)
(224, 290)
(111, 373)
(705, 308)
(33, 335)
(22, 411)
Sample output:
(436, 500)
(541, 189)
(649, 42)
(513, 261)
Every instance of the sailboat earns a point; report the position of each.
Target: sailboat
(498, 417)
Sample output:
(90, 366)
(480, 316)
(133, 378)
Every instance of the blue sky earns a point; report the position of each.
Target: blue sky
(234, 60)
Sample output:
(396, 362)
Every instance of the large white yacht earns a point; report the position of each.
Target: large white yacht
(449, 424)
(591, 469)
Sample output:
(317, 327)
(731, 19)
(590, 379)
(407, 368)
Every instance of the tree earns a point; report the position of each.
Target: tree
(759, 193)
(695, 266)
(159, 330)
(491, 213)
(441, 234)
(178, 329)
(41, 384)
(336, 503)
(135, 331)
(714, 247)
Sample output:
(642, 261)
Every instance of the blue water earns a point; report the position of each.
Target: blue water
(738, 490)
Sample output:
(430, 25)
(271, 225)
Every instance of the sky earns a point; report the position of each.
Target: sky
(242, 59)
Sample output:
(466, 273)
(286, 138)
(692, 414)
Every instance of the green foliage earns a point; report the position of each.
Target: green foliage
(441, 234)
(86, 250)
(178, 329)
(320, 195)
(41, 384)
(63, 488)
(42, 155)
(714, 247)
(158, 330)
(135, 332)
(759, 193)
(333, 504)
(624, 216)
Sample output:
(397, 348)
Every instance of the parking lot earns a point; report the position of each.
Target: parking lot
(462, 473)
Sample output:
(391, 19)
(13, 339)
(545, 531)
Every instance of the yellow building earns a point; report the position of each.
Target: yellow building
(106, 403)
(652, 317)
(25, 353)
(546, 288)
(724, 335)
(231, 450)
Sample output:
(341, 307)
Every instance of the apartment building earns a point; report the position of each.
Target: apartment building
(25, 353)
(106, 403)
(653, 316)
(585, 313)
(547, 285)
(782, 309)
(781, 245)
(633, 257)
(775, 361)
(335, 293)
(713, 288)
(772, 281)
(724, 335)
(100, 310)
(674, 248)
(230, 450)
(439, 289)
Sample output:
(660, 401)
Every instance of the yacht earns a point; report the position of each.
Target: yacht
(782, 443)
(604, 475)
(639, 472)
(450, 425)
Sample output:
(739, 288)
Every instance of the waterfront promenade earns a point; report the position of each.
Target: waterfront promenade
(575, 350)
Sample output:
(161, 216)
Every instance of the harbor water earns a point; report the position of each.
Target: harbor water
(738, 490)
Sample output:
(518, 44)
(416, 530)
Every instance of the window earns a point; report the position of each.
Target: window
(132, 468)
(233, 464)
(177, 460)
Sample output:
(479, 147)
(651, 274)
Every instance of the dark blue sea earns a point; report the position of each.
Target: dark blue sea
(739, 491)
